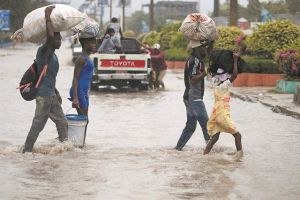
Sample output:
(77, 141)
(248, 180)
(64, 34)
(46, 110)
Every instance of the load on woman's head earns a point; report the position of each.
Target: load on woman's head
(223, 59)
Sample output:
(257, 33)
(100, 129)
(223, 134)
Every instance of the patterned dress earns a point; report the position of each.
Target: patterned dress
(220, 120)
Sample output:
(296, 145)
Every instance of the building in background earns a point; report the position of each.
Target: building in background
(176, 10)
(60, 1)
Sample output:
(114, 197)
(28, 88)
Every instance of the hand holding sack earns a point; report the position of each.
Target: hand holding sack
(63, 18)
(199, 27)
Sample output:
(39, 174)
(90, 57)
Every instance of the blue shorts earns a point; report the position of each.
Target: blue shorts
(83, 98)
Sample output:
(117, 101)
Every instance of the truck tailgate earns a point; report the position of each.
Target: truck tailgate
(128, 62)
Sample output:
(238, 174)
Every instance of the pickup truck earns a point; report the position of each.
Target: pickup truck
(131, 68)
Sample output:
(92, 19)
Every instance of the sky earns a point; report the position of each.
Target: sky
(206, 6)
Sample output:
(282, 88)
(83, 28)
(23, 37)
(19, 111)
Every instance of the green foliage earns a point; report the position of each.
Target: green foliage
(295, 45)
(276, 7)
(165, 39)
(167, 32)
(135, 21)
(129, 33)
(255, 64)
(151, 38)
(253, 10)
(141, 36)
(293, 5)
(171, 27)
(178, 40)
(273, 36)
(227, 37)
(176, 54)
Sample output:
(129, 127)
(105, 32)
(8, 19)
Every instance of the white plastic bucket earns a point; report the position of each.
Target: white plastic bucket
(77, 128)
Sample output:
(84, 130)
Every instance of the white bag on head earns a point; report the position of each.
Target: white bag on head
(88, 28)
(63, 18)
(199, 27)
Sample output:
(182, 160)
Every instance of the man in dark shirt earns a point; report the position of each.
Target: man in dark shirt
(48, 100)
(194, 74)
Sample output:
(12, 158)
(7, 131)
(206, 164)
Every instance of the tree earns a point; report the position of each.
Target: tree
(135, 21)
(216, 8)
(293, 5)
(151, 12)
(253, 10)
(19, 9)
(276, 7)
(233, 12)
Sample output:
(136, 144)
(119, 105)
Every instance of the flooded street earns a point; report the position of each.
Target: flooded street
(129, 147)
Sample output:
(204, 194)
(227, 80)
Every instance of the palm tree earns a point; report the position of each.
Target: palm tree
(233, 12)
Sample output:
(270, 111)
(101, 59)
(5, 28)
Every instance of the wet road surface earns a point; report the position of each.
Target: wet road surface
(130, 140)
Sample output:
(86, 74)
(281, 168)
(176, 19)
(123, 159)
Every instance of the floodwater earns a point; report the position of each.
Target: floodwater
(130, 140)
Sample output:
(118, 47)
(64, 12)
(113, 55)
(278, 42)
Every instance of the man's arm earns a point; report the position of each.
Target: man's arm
(194, 74)
(49, 25)
(121, 34)
(195, 79)
(103, 45)
(235, 65)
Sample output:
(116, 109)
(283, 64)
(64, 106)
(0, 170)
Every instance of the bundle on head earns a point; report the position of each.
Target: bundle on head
(223, 59)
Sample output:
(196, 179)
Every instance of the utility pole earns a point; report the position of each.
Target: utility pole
(123, 14)
(216, 8)
(101, 15)
(151, 12)
(233, 12)
(110, 10)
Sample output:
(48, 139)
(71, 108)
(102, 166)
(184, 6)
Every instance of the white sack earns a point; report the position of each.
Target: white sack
(197, 26)
(63, 18)
(88, 28)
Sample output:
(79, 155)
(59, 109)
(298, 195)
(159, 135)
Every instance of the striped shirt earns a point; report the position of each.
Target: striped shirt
(195, 67)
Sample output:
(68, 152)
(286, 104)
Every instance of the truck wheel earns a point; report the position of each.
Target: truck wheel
(94, 86)
(143, 87)
(133, 84)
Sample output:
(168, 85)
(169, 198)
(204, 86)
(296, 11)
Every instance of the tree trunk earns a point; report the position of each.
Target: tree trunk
(123, 16)
(110, 10)
(216, 8)
(233, 12)
(151, 11)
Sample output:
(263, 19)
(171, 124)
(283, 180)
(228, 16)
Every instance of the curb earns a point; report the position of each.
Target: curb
(275, 108)
(281, 109)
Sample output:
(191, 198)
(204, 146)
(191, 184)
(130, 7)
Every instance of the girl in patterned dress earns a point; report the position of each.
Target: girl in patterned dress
(220, 120)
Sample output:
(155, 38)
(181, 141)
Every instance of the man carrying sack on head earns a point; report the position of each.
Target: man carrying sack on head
(48, 100)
